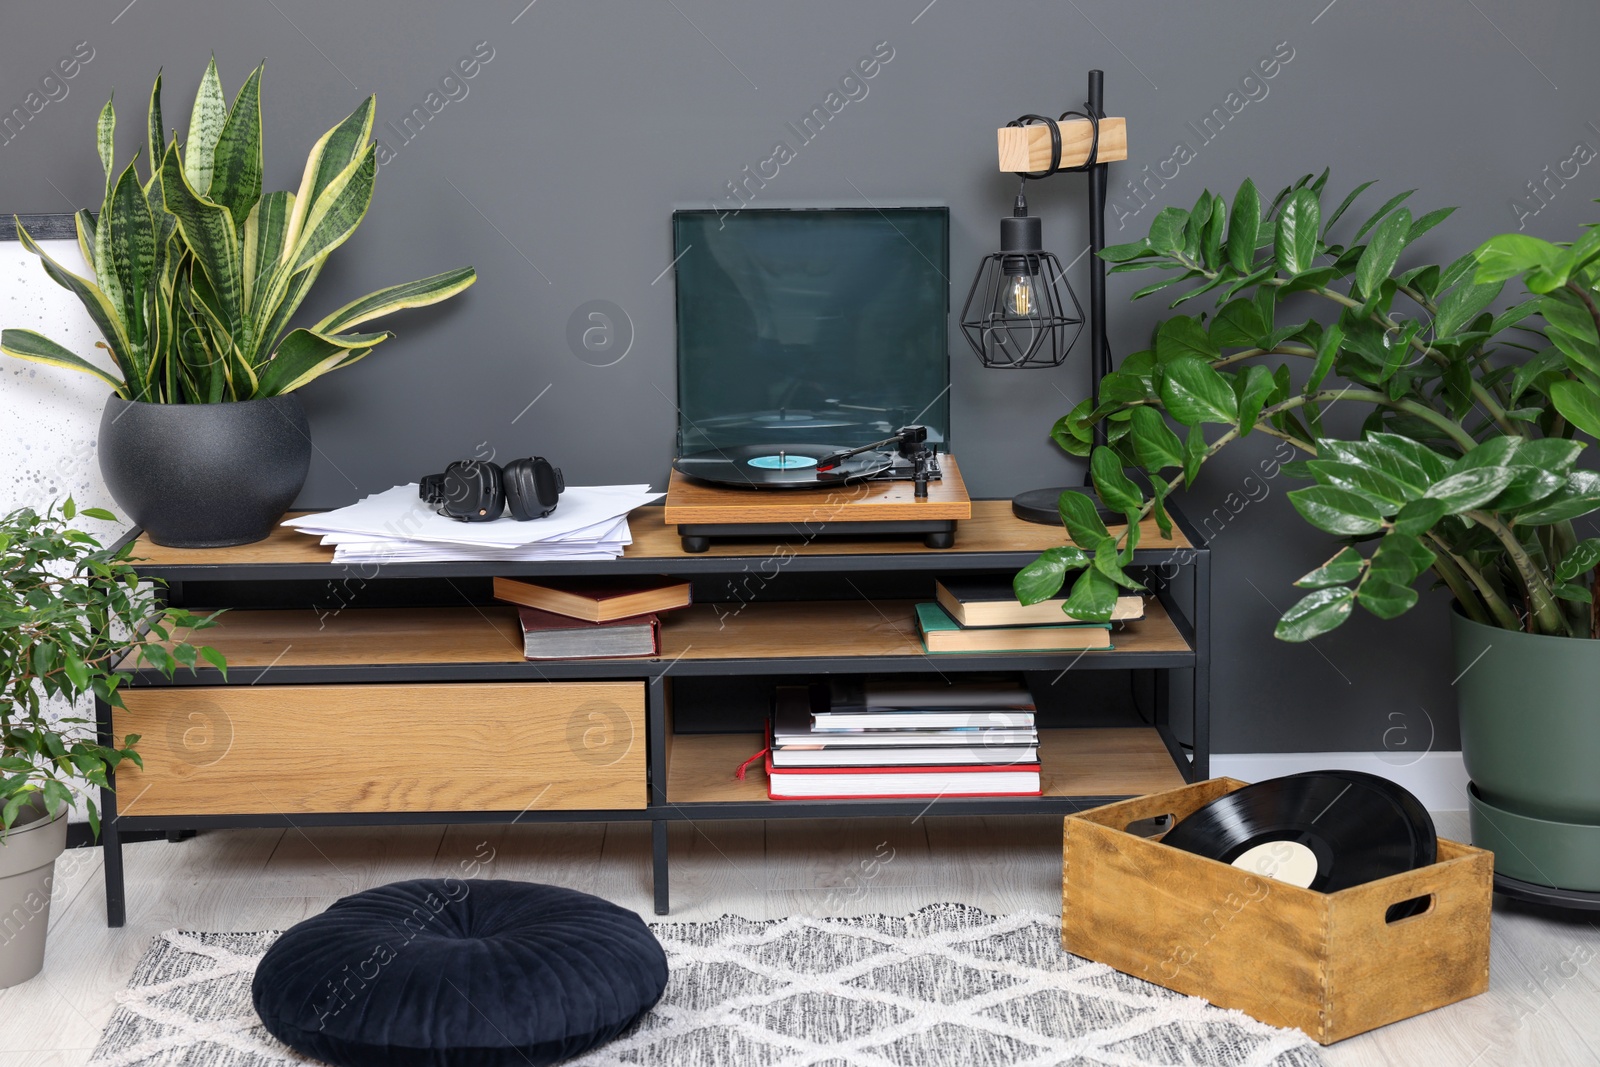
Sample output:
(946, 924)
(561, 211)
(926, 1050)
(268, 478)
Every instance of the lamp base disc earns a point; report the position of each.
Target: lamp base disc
(1042, 506)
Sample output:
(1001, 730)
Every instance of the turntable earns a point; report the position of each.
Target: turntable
(813, 376)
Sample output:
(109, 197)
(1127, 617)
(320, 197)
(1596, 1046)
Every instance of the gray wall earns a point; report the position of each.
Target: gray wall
(556, 173)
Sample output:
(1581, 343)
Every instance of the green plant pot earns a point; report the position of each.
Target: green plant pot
(27, 865)
(1530, 736)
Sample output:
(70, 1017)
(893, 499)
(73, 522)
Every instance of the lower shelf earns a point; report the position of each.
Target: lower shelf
(1076, 763)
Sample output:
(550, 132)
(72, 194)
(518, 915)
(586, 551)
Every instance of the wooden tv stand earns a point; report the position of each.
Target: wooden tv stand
(391, 694)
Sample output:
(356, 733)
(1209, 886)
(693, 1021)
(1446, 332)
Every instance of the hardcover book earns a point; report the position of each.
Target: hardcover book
(546, 635)
(989, 600)
(942, 634)
(596, 599)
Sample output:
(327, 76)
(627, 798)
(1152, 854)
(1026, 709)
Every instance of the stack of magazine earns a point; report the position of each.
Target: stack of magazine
(893, 740)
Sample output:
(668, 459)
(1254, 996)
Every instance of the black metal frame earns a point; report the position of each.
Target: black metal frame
(1193, 625)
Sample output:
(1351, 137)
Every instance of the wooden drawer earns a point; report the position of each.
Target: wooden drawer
(288, 749)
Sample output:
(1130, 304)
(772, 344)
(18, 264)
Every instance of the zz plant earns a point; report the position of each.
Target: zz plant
(1466, 462)
(197, 273)
(72, 615)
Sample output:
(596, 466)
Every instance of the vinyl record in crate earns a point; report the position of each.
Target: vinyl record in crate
(785, 466)
(1323, 830)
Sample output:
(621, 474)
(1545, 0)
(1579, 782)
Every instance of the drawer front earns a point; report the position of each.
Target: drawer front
(287, 749)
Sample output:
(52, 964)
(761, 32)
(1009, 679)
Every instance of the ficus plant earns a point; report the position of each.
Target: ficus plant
(1466, 462)
(74, 616)
(197, 273)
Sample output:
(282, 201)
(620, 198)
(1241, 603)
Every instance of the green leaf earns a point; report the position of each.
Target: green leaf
(337, 212)
(1429, 463)
(98, 513)
(1570, 591)
(415, 294)
(1244, 227)
(131, 256)
(1584, 557)
(1327, 349)
(1382, 253)
(1387, 492)
(155, 131)
(1344, 205)
(1428, 222)
(1388, 205)
(1342, 569)
(1081, 518)
(1106, 561)
(1316, 614)
(205, 127)
(26, 344)
(1194, 393)
(1554, 454)
(1041, 579)
(1401, 557)
(330, 157)
(216, 659)
(105, 142)
(1384, 598)
(236, 160)
(1194, 453)
(1159, 488)
(1154, 443)
(1238, 324)
(1461, 305)
(1467, 489)
(1577, 498)
(208, 230)
(1420, 515)
(1253, 386)
(1166, 230)
(1295, 241)
(1510, 254)
(1123, 253)
(94, 300)
(1182, 336)
(1337, 511)
(1116, 489)
(1576, 402)
(304, 356)
(262, 247)
(1092, 598)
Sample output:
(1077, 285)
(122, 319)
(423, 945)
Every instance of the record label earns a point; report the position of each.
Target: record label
(1287, 861)
(783, 461)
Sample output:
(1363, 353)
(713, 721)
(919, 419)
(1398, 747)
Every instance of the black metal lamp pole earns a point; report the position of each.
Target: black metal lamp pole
(1040, 505)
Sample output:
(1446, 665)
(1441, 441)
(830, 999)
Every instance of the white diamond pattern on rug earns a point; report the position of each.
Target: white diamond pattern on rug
(949, 984)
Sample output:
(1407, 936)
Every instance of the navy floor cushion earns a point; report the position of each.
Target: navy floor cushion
(453, 973)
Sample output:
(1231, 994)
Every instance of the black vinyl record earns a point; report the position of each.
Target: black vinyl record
(1323, 830)
(779, 466)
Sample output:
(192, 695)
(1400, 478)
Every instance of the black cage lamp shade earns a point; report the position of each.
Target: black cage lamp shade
(1021, 312)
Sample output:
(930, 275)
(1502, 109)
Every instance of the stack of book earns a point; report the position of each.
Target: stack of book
(900, 742)
(980, 613)
(592, 618)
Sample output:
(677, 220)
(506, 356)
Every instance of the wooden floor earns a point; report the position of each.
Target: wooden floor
(1543, 1007)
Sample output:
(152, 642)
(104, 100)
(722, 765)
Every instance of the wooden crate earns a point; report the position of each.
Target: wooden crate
(1329, 964)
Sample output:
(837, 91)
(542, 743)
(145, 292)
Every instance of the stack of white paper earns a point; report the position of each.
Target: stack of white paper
(590, 522)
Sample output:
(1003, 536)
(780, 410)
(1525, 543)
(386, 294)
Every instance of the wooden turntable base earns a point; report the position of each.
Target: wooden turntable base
(702, 511)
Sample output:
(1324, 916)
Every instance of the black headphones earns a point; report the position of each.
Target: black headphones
(477, 490)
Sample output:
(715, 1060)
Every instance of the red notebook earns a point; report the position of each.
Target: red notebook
(546, 635)
(879, 783)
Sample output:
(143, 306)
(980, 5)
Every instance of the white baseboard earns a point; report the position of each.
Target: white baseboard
(1439, 779)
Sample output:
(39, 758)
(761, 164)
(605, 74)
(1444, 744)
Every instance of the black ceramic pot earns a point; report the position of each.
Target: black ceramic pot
(205, 475)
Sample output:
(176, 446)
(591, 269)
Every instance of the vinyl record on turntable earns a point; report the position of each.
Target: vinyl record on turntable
(786, 466)
(1326, 830)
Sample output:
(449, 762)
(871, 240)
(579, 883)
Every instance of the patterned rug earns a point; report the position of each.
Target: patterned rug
(949, 984)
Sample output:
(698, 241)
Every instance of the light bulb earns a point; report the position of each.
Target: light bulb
(1019, 296)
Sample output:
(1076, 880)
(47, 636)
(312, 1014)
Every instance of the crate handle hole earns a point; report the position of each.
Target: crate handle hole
(1154, 826)
(1409, 909)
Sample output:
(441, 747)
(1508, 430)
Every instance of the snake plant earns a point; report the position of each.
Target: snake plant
(197, 273)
